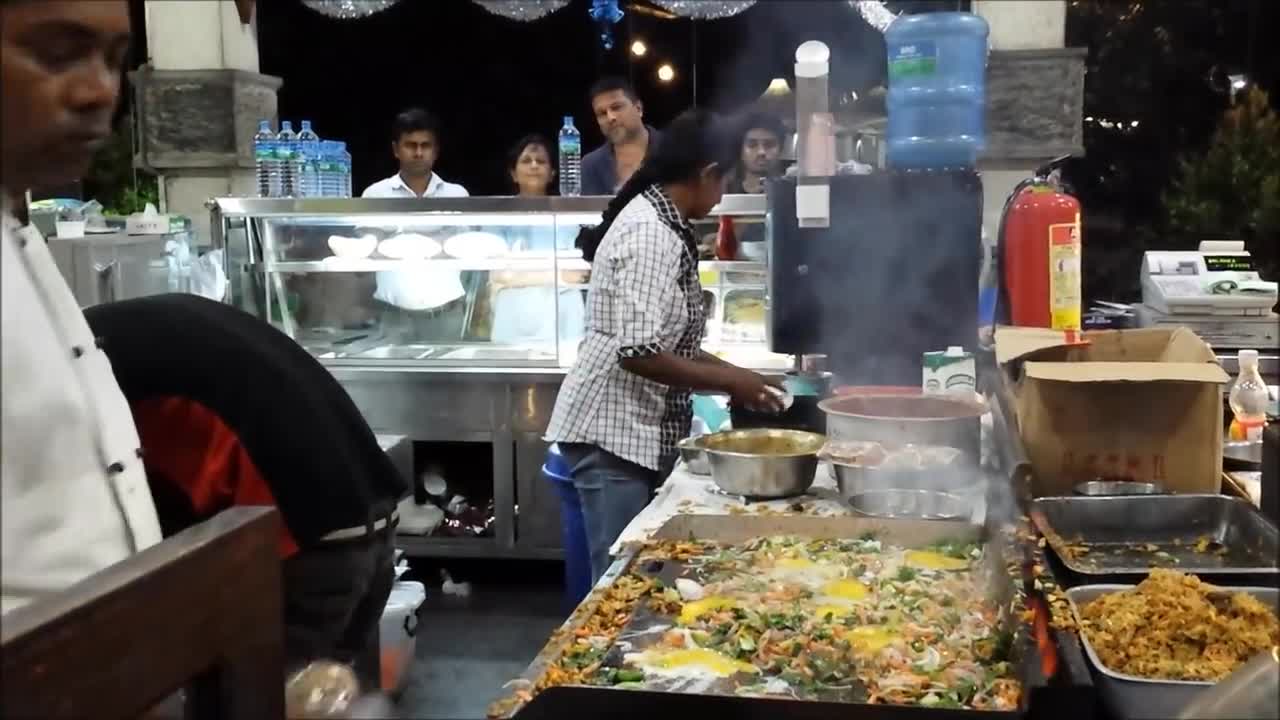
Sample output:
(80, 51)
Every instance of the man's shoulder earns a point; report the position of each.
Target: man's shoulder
(450, 189)
(382, 188)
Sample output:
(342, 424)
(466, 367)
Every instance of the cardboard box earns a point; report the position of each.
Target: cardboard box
(1140, 404)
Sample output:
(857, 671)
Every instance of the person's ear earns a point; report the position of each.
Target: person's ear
(711, 173)
(640, 108)
(514, 181)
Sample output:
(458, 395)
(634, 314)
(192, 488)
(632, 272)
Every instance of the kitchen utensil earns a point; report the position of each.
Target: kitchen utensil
(763, 462)
(896, 420)
(1250, 693)
(917, 504)
(1129, 696)
(1128, 535)
(856, 479)
(695, 458)
(1095, 488)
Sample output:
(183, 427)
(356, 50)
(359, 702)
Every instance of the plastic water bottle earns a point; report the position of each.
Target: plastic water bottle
(308, 161)
(937, 90)
(264, 161)
(327, 169)
(345, 190)
(1248, 399)
(570, 159)
(287, 154)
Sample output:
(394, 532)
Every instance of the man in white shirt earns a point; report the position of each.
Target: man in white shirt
(423, 305)
(73, 491)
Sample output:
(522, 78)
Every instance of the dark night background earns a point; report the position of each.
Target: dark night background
(492, 80)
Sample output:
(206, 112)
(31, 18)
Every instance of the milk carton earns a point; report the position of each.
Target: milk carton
(952, 371)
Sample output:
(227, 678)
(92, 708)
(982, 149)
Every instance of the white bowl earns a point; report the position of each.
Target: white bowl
(475, 246)
(409, 246)
(352, 247)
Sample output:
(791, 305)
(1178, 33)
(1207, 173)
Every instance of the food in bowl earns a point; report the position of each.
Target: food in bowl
(1172, 626)
(409, 246)
(774, 443)
(352, 247)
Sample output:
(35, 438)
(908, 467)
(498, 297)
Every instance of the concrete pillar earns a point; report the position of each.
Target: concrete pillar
(1035, 96)
(200, 98)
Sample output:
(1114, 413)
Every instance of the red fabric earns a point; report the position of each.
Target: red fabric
(187, 444)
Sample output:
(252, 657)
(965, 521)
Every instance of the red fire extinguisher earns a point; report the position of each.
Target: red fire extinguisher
(1040, 255)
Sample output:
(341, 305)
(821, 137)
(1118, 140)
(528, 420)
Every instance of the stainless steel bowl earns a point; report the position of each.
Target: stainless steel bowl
(896, 420)
(855, 479)
(1117, 487)
(764, 463)
(915, 504)
(695, 458)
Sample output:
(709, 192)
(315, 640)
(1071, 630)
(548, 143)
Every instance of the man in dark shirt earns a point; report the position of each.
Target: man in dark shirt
(620, 115)
(231, 411)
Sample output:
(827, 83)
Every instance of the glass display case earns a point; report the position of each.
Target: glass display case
(452, 322)
(454, 282)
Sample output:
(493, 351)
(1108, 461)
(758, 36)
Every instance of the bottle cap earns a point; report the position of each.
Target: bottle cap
(286, 125)
(264, 125)
(1248, 357)
(568, 121)
(306, 124)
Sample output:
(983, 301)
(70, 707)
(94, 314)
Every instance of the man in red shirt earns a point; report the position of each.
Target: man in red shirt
(231, 411)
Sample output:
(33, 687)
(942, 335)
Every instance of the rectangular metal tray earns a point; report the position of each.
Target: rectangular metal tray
(1129, 535)
(1071, 698)
(1129, 696)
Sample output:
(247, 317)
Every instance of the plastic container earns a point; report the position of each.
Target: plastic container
(264, 161)
(573, 530)
(398, 631)
(308, 161)
(570, 145)
(937, 90)
(1248, 399)
(344, 189)
(287, 155)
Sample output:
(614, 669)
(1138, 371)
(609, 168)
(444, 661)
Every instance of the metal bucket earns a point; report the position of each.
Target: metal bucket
(897, 420)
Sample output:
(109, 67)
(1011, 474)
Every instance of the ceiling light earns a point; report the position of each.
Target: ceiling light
(666, 73)
(638, 48)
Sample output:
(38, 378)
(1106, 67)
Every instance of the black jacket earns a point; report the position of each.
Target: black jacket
(305, 435)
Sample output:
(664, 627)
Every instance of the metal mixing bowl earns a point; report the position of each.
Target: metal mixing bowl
(855, 479)
(916, 504)
(1117, 487)
(764, 463)
(695, 458)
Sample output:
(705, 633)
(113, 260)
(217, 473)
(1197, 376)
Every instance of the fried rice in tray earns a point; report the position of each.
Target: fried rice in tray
(1172, 626)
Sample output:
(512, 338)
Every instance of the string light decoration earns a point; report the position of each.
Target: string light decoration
(522, 10)
(349, 9)
(874, 13)
(705, 9)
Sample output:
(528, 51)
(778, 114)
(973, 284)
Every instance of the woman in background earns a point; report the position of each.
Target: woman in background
(524, 307)
(530, 168)
(625, 403)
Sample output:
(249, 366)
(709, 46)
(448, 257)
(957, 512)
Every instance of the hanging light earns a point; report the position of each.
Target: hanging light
(638, 48)
(666, 73)
(349, 9)
(705, 9)
(522, 10)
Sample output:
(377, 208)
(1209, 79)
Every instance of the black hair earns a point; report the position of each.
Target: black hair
(610, 84)
(759, 120)
(694, 140)
(414, 120)
(513, 155)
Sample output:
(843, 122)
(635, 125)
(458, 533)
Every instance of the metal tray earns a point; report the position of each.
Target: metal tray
(1129, 535)
(1068, 696)
(1129, 696)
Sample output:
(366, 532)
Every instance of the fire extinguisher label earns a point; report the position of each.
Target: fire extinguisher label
(1064, 275)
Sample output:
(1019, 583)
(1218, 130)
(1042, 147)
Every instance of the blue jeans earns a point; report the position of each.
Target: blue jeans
(612, 491)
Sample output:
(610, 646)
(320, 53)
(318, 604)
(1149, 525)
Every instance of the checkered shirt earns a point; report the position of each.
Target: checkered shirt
(645, 298)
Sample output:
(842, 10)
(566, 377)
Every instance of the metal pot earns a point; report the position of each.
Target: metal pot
(743, 464)
(855, 479)
(918, 504)
(695, 458)
(897, 420)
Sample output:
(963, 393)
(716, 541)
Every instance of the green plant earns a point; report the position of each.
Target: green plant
(1232, 190)
(113, 181)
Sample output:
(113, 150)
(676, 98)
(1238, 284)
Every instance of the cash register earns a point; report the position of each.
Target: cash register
(1215, 291)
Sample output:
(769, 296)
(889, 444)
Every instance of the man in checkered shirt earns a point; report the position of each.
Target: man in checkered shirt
(625, 403)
